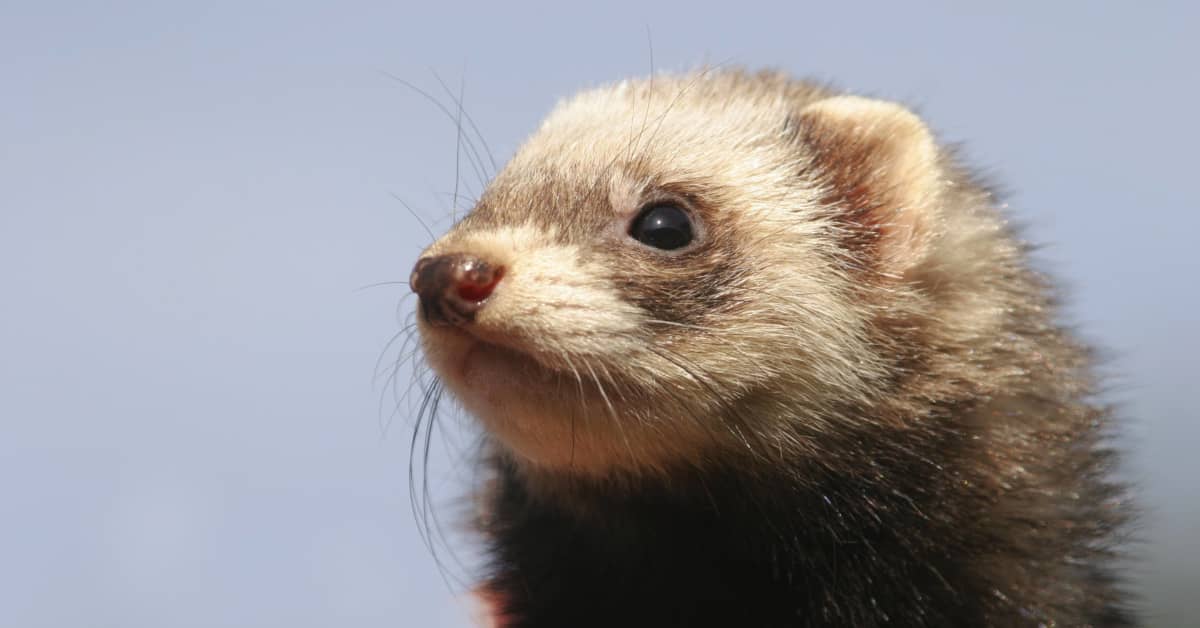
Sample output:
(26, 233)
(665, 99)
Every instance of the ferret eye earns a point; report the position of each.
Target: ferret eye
(665, 227)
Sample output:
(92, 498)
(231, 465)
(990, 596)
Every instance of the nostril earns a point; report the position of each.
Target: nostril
(414, 280)
(477, 284)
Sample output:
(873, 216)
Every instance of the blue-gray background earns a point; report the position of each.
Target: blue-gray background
(192, 195)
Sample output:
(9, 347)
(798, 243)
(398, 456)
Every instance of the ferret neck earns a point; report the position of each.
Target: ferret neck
(721, 548)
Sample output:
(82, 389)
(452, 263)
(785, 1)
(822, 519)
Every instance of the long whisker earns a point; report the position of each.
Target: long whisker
(645, 114)
(398, 398)
(458, 135)
(380, 284)
(670, 106)
(405, 332)
(402, 357)
(414, 214)
(427, 403)
(449, 115)
(701, 377)
(582, 402)
(657, 321)
(611, 411)
(470, 122)
(637, 144)
(429, 526)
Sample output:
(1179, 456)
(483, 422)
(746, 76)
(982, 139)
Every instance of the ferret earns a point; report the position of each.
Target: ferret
(752, 352)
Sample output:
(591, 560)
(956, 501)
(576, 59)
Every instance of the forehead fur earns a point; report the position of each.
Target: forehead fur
(669, 127)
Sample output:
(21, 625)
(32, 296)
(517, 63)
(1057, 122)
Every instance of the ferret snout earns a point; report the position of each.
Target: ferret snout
(453, 287)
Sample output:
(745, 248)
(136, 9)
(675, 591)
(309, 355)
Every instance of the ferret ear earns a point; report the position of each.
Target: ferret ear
(875, 164)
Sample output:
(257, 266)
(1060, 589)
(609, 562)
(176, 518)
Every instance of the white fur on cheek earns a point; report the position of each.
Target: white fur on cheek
(549, 305)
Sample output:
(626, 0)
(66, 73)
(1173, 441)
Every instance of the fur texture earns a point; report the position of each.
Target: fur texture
(847, 402)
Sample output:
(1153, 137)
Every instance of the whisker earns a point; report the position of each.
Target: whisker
(649, 100)
(405, 331)
(414, 214)
(458, 135)
(380, 284)
(413, 494)
(611, 411)
(607, 170)
(657, 321)
(398, 399)
(726, 405)
(582, 402)
(473, 158)
(408, 333)
(670, 106)
(429, 526)
(445, 111)
(471, 123)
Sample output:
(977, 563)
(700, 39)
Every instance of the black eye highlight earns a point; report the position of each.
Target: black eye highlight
(663, 226)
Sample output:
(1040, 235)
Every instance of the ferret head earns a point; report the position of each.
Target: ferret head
(677, 271)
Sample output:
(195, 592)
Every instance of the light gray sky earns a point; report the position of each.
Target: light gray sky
(191, 195)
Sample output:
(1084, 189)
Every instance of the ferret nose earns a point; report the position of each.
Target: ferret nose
(453, 287)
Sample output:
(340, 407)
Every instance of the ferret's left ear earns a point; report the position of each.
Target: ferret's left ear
(876, 166)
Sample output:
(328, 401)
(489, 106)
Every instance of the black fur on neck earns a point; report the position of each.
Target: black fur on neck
(882, 535)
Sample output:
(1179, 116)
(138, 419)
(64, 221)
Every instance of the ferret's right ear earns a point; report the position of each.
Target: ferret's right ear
(875, 164)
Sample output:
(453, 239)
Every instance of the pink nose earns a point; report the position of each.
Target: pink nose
(453, 287)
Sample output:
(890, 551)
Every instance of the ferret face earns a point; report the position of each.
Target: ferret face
(665, 275)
